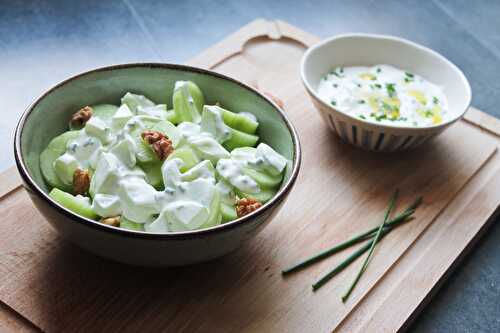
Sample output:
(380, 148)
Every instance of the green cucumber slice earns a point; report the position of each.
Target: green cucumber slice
(240, 139)
(228, 212)
(104, 111)
(171, 116)
(239, 122)
(188, 101)
(263, 179)
(263, 196)
(187, 155)
(153, 174)
(47, 158)
(215, 213)
(127, 224)
(60, 142)
(55, 148)
(73, 203)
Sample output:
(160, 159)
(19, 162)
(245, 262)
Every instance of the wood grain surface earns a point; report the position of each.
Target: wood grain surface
(340, 191)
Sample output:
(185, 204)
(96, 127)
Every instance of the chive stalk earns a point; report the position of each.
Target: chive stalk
(372, 247)
(395, 222)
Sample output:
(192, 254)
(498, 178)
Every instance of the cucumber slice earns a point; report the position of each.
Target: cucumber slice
(263, 196)
(187, 155)
(215, 214)
(104, 111)
(239, 122)
(264, 179)
(228, 212)
(240, 139)
(60, 142)
(153, 174)
(127, 224)
(188, 101)
(56, 148)
(47, 158)
(78, 205)
(171, 116)
(169, 130)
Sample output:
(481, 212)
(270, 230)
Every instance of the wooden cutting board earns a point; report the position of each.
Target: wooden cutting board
(48, 284)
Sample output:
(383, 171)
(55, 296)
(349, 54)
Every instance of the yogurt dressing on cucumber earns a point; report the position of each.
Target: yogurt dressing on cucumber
(184, 192)
(385, 94)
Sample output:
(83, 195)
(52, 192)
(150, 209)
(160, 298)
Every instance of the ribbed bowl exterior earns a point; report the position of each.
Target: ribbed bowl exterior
(373, 137)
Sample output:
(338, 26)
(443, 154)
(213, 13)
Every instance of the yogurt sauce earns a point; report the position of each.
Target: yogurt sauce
(385, 94)
(119, 187)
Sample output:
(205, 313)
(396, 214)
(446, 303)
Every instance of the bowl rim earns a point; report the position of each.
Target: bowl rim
(33, 187)
(392, 38)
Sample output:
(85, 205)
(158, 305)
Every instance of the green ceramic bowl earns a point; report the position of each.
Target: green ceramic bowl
(48, 116)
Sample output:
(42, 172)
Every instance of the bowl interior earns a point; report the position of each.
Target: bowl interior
(50, 114)
(368, 50)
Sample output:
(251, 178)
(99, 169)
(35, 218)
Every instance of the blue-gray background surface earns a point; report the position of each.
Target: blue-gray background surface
(43, 42)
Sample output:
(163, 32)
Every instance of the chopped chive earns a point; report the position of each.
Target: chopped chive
(372, 247)
(361, 101)
(428, 114)
(410, 75)
(435, 100)
(333, 103)
(335, 85)
(341, 70)
(359, 85)
(407, 80)
(379, 70)
(362, 117)
(391, 90)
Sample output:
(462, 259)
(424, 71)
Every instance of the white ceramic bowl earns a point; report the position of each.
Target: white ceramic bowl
(369, 50)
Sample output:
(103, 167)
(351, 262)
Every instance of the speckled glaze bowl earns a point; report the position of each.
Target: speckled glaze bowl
(369, 50)
(48, 116)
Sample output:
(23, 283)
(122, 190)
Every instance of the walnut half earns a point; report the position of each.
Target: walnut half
(112, 221)
(81, 181)
(246, 206)
(81, 117)
(161, 144)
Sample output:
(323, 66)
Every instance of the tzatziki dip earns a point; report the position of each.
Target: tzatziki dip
(385, 94)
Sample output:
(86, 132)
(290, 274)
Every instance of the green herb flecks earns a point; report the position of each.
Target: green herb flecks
(333, 102)
(361, 101)
(362, 116)
(379, 70)
(338, 72)
(408, 77)
(391, 89)
(435, 100)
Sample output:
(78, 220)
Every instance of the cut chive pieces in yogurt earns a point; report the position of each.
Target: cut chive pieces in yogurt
(333, 102)
(407, 95)
(391, 91)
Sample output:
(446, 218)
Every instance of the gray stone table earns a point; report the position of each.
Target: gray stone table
(43, 42)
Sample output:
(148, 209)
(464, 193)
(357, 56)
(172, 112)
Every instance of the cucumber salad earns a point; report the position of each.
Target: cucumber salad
(144, 167)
